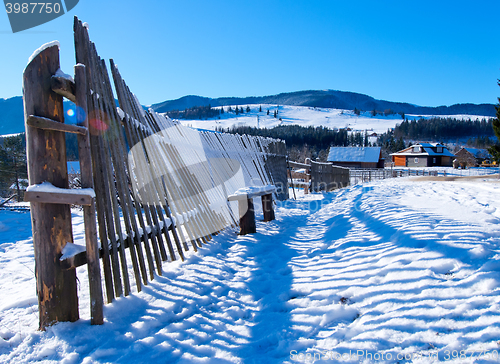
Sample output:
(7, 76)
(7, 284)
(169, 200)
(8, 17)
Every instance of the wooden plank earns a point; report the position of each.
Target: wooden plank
(49, 124)
(58, 198)
(226, 170)
(157, 190)
(89, 218)
(133, 128)
(82, 57)
(115, 233)
(51, 223)
(252, 192)
(63, 87)
(100, 166)
(181, 200)
(137, 135)
(118, 156)
(204, 222)
(140, 217)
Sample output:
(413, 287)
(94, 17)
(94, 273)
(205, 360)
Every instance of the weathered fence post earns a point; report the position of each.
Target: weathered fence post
(267, 207)
(51, 223)
(308, 176)
(247, 219)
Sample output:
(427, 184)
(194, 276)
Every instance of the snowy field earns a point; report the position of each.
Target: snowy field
(402, 270)
(309, 116)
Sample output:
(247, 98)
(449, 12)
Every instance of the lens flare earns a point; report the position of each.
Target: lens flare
(71, 112)
(98, 124)
(80, 115)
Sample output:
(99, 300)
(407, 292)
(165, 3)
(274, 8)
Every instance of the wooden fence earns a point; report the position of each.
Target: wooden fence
(318, 177)
(326, 177)
(367, 175)
(159, 189)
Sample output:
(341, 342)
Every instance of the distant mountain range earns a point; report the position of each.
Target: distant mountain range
(11, 115)
(328, 99)
(12, 118)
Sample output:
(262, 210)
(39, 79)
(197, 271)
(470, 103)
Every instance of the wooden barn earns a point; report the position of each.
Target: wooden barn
(356, 157)
(423, 155)
(472, 157)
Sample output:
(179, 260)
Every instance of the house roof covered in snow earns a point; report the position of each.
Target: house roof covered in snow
(478, 153)
(354, 154)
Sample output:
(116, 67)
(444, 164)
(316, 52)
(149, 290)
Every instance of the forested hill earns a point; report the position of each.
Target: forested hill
(328, 99)
(12, 118)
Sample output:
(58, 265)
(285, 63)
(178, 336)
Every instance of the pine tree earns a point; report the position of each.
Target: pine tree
(13, 163)
(260, 108)
(267, 111)
(392, 146)
(495, 149)
(248, 108)
(237, 110)
(400, 145)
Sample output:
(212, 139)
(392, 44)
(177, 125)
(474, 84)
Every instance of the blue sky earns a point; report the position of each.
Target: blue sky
(428, 53)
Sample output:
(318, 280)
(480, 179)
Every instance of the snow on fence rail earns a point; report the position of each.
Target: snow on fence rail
(160, 188)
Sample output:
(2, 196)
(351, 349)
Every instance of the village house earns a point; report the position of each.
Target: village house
(356, 157)
(471, 157)
(423, 155)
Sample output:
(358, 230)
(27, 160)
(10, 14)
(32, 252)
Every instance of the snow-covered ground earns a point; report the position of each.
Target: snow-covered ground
(308, 116)
(450, 171)
(400, 270)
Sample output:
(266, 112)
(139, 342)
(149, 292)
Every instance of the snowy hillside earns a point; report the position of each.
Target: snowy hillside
(402, 270)
(300, 115)
(307, 116)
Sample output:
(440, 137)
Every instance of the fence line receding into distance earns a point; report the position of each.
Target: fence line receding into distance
(160, 188)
